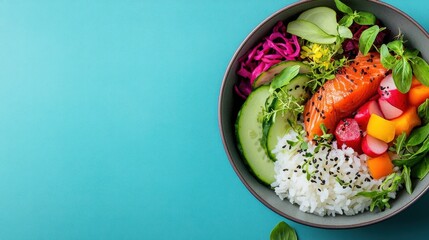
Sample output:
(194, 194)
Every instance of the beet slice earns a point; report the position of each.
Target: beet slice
(349, 133)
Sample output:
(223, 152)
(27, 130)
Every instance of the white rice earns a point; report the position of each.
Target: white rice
(322, 194)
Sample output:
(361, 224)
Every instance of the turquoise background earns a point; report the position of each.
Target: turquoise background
(108, 123)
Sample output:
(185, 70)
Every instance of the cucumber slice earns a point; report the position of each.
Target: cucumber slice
(279, 127)
(249, 135)
(276, 130)
(297, 88)
(265, 77)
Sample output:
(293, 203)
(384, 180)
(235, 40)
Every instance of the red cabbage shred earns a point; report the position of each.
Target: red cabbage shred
(276, 47)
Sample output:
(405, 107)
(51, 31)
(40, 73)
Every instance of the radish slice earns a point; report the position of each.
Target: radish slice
(387, 84)
(364, 113)
(388, 91)
(389, 111)
(373, 147)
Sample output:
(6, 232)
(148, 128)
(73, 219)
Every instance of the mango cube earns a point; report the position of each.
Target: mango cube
(407, 121)
(381, 128)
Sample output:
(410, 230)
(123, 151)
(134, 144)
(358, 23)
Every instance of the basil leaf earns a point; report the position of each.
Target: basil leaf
(423, 111)
(367, 38)
(407, 179)
(422, 169)
(408, 54)
(282, 231)
(386, 58)
(418, 135)
(323, 17)
(309, 31)
(345, 32)
(411, 161)
(402, 75)
(421, 70)
(346, 20)
(365, 18)
(396, 46)
(343, 7)
(284, 77)
(424, 148)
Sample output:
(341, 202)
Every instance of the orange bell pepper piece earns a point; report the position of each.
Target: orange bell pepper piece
(407, 121)
(380, 166)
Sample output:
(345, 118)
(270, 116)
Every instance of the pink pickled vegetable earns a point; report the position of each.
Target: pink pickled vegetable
(276, 47)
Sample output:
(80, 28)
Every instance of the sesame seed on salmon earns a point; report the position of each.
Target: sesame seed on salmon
(352, 86)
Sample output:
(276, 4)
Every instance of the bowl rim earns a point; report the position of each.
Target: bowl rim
(227, 150)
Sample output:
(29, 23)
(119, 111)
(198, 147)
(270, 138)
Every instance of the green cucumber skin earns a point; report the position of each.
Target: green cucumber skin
(277, 130)
(249, 129)
(249, 134)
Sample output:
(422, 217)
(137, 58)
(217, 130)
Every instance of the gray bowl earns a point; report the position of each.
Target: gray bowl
(229, 105)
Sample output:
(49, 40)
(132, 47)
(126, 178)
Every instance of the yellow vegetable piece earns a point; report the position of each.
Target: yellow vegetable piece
(407, 121)
(381, 128)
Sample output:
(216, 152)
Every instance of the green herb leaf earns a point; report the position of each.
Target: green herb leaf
(310, 31)
(370, 194)
(409, 160)
(304, 145)
(323, 128)
(396, 46)
(386, 58)
(344, 32)
(367, 39)
(284, 77)
(291, 143)
(407, 179)
(282, 231)
(411, 54)
(422, 169)
(402, 75)
(400, 142)
(424, 148)
(323, 17)
(340, 181)
(308, 174)
(423, 111)
(365, 18)
(380, 198)
(346, 20)
(343, 7)
(421, 70)
(418, 135)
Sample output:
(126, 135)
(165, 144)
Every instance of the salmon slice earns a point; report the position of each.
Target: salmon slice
(339, 98)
